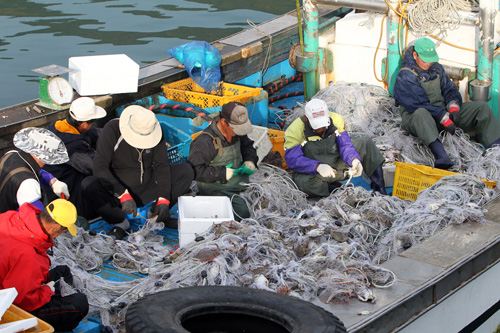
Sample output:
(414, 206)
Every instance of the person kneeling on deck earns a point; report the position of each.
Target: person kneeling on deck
(319, 151)
(24, 264)
(22, 178)
(131, 169)
(223, 157)
(431, 102)
(80, 138)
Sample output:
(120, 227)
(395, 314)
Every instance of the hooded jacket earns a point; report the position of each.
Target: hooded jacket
(409, 93)
(24, 263)
(81, 151)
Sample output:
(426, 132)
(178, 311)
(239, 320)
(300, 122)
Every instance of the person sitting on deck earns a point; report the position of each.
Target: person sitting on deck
(320, 153)
(80, 139)
(223, 157)
(131, 169)
(24, 264)
(431, 102)
(22, 178)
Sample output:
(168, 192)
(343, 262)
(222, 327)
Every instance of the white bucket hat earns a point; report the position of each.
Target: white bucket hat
(84, 109)
(317, 113)
(139, 127)
(43, 144)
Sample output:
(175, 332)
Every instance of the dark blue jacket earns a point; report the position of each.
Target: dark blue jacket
(409, 93)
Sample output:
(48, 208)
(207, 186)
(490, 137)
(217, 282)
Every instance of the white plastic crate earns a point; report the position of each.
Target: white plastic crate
(103, 74)
(197, 214)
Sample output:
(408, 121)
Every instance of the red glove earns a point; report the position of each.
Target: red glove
(454, 113)
(448, 124)
(128, 204)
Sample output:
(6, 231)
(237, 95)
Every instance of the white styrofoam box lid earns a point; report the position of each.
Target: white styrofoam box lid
(261, 141)
(7, 296)
(103, 62)
(18, 325)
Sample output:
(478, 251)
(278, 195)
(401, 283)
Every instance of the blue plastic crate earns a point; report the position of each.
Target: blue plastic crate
(180, 141)
(181, 119)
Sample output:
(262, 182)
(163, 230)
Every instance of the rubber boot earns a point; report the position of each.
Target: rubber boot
(494, 143)
(442, 160)
(377, 178)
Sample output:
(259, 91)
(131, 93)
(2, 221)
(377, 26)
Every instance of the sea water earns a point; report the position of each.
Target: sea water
(38, 33)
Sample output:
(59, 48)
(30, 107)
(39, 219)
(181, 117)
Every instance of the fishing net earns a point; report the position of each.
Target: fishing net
(328, 250)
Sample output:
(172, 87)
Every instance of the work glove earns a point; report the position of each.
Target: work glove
(51, 285)
(128, 204)
(326, 171)
(60, 188)
(454, 114)
(248, 168)
(448, 124)
(162, 209)
(357, 169)
(230, 172)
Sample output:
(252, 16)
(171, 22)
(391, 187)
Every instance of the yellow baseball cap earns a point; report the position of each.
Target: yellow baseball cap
(63, 212)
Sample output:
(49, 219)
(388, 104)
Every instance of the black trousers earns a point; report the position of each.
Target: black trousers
(108, 206)
(64, 313)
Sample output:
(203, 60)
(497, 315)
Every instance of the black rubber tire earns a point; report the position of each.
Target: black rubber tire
(224, 309)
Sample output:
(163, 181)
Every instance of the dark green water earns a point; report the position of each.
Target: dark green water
(43, 32)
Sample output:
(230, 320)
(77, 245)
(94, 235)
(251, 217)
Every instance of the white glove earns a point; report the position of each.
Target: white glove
(250, 165)
(51, 286)
(60, 188)
(326, 171)
(229, 173)
(357, 168)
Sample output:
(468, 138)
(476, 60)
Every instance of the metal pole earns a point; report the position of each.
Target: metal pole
(381, 7)
(375, 6)
(486, 43)
(393, 54)
(311, 44)
(301, 39)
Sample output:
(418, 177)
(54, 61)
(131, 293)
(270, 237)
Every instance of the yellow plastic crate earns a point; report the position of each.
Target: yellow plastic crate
(15, 313)
(186, 91)
(410, 179)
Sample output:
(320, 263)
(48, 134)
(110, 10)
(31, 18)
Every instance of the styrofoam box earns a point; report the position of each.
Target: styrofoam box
(7, 296)
(103, 74)
(197, 214)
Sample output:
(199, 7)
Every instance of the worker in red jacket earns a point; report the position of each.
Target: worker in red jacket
(26, 236)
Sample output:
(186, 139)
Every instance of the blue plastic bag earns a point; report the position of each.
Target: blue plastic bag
(202, 62)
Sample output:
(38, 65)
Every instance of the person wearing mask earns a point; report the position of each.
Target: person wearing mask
(26, 236)
(320, 152)
(80, 139)
(223, 157)
(430, 102)
(131, 169)
(22, 178)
